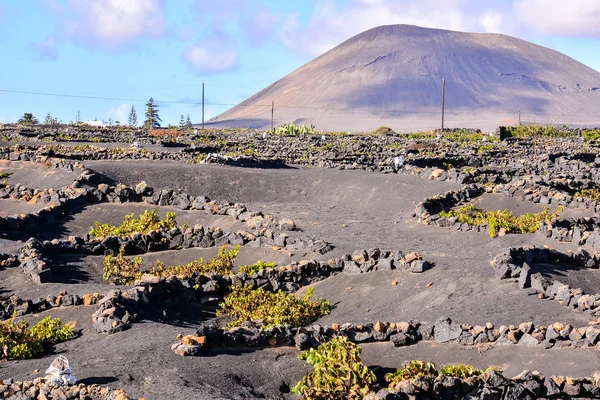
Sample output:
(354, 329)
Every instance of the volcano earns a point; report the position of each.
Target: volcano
(392, 75)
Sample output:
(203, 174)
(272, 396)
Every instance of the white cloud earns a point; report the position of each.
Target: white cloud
(259, 27)
(494, 22)
(210, 60)
(329, 26)
(45, 50)
(574, 18)
(120, 113)
(114, 24)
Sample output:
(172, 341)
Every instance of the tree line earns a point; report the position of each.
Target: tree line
(152, 118)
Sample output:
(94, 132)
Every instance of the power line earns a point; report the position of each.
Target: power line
(326, 108)
(168, 88)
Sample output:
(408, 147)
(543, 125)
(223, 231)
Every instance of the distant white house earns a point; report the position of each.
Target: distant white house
(97, 123)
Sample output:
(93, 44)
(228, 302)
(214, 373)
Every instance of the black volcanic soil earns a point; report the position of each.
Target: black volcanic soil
(351, 209)
(35, 175)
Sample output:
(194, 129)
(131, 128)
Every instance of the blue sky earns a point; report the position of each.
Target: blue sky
(129, 50)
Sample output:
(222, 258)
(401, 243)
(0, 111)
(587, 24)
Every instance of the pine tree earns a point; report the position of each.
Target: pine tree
(78, 120)
(188, 122)
(49, 120)
(181, 122)
(132, 117)
(152, 118)
(110, 121)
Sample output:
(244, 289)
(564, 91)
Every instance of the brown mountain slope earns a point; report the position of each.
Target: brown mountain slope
(391, 75)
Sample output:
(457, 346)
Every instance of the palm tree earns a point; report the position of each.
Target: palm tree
(28, 118)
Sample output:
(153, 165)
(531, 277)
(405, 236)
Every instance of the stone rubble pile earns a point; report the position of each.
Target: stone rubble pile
(515, 265)
(18, 306)
(210, 336)
(493, 385)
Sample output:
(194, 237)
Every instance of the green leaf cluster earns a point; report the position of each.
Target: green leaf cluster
(460, 136)
(529, 131)
(121, 270)
(592, 194)
(245, 303)
(222, 264)
(147, 222)
(383, 130)
(18, 341)
(416, 369)
(293, 129)
(255, 268)
(339, 372)
(4, 174)
(413, 369)
(501, 219)
(461, 371)
(591, 135)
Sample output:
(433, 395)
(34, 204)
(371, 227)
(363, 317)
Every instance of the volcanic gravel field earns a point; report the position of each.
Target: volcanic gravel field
(348, 209)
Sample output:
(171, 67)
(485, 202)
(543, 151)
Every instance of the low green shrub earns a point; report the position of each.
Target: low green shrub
(18, 341)
(529, 131)
(463, 136)
(259, 266)
(383, 130)
(592, 194)
(413, 369)
(197, 160)
(247, 304)
(339, 372)
(416, 369)
(591, 136)
(293, 129)
(422, 135)
(120, 270)
(222, 264)
(461, 371)
(486, 148)
(4, 174)
(502, 219)
(147, 222)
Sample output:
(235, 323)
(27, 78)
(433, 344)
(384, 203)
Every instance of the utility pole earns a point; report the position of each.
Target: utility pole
(272, 113)
(202, 105)
(519, 117)
(443, 101)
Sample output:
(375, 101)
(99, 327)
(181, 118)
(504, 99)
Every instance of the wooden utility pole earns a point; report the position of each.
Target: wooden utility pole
(519, 117)
(272, 113)
(202, 105)
(443, 101)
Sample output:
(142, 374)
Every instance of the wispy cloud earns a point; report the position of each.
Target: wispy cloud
(120, 113)
(45, 50)
(259, 27)
(222, 32)
(329, 25)
(574, 18)
(210, 60)
(113, 25)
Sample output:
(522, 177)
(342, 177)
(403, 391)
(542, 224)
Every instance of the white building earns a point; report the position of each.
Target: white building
(97, 123)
